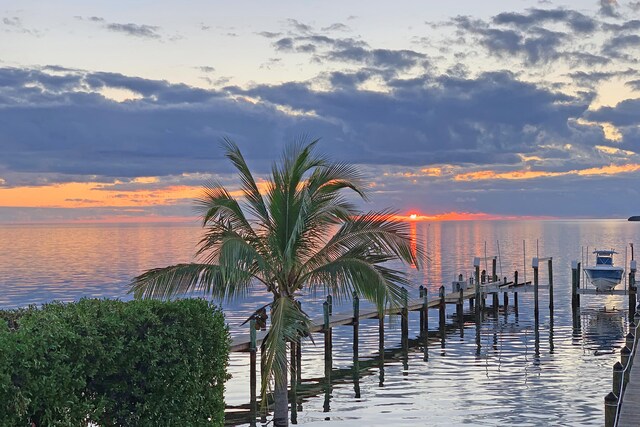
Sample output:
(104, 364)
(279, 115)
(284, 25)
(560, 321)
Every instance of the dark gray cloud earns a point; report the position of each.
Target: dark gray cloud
(592, 78)
(130, 29)
(630, 26)
(609, 8)
(634, 84)
(136, 30)
(618, 46)
(576, 21)
(60, 125)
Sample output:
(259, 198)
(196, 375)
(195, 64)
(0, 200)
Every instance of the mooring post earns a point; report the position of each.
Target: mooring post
(625, 359)
(442, 310)
(299, 354)
(505, 297)
(632, 290)
(421, 293)
(578, 272)
(550, 264)
(404, 314)
(515, 292)
(610, 409)
(425, 327)
(252, 370)
(494, 276)
(477, 302)
(536, 307)
(574, 287)
(327, 331)
(356, 324)
(381, 333)
(496, 303)
(330, 301)
(460, 308)
(263, 351)
(629, 339)
(618, 372)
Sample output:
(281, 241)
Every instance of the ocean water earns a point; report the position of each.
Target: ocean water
(510, 378)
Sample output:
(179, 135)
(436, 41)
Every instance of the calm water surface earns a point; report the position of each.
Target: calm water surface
(510, 379)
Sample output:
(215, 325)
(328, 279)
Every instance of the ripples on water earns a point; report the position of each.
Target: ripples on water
(508, 380)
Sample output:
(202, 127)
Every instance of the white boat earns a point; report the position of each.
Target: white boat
(604, 275)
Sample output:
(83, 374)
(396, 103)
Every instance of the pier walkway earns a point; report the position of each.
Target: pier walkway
(630, 411)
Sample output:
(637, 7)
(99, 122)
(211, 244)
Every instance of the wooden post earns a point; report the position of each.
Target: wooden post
(330, 301)
(327, 331)
(578, 272)
(505, 297)
(536, 306)
(442, 310)
(632, 290)
(494, 276)
(625, 359)
(477, 302)
(299, 355)
(515, 293)
(460, 308)
(425, 327)
(421, 293)
(252, 370)
(293, 380)
(356, 324)
(550, 264)
(381, 333)
(610, 409)
(404, 318)
(574, 287)
(618, 372)
(495, 302)
(263, 350)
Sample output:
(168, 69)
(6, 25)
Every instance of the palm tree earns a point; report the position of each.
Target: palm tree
(303, 233)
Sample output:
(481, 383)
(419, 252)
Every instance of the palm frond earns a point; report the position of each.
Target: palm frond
(168, 282)
(288, 323)
(250, 188)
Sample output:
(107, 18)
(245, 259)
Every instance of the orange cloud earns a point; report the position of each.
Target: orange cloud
(528, 174)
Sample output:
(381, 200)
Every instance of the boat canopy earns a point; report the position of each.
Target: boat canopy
(604, 257)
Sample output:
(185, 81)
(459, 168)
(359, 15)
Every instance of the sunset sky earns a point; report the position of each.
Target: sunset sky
(114, 111)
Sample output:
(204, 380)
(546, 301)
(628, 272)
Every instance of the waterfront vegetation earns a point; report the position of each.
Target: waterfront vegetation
(113, 363)
(299, 234)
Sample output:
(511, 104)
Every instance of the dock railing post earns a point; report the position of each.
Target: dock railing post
(610, 409)
(252, 370)
(574, 287)
(536, 307)
(618, 373)
(330, 301)
(578, 273)
(460, 308)
(625, 359)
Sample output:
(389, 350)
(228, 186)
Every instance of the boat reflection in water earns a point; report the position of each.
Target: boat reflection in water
(603, 329)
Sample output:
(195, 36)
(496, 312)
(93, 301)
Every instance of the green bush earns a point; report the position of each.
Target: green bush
(113, 363)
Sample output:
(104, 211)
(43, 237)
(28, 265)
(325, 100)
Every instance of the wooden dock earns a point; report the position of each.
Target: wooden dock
(630, 407)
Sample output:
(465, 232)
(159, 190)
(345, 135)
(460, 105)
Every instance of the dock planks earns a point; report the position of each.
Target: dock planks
(630, 411)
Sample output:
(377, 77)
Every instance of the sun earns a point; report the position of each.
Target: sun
(413, 216)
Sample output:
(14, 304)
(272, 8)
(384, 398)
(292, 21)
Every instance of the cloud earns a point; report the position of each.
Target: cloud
(615, 45)
(634, 84)
(576, 21)
(609, 8)
(130, 29)
(144, 31)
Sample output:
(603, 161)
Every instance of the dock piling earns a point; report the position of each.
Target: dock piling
(421, 293)
(356, 324)
(252, 370)
(632, 290)
(326, 330)
(536, 303)
(515, 293)
(625, 359)
(550, 267)
(442, 310)
(610, 409)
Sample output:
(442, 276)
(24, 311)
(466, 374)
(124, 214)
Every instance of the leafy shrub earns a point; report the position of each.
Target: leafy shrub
(113, 363)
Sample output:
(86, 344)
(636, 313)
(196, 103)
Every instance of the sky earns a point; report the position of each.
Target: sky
(114, 111)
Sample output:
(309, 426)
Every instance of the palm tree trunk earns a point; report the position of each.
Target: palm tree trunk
(281, 404)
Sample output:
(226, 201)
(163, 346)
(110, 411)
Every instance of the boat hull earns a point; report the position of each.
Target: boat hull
(604, 279)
